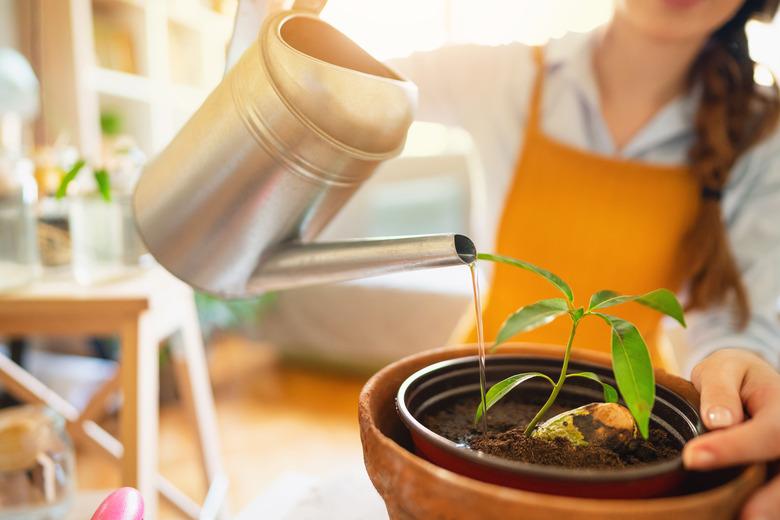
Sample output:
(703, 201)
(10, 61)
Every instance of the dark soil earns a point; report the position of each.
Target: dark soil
(453, 419)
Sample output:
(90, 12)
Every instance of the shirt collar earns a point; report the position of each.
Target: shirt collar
(569, 59)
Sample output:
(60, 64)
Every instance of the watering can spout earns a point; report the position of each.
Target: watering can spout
(326, 262)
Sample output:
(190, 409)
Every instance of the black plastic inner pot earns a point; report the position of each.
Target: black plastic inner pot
(443, 382)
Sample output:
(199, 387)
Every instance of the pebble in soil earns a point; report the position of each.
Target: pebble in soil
(505, 437)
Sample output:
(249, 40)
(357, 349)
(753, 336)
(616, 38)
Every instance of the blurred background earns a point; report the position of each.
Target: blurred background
(91, 89)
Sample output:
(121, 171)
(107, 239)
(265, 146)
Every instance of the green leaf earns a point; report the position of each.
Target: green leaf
(62, 189)
(104, 184)
(633, 370)
(610, 394)
(530, 317)
(597, 299)
(500, 389)
(662, 300)
(550, 277)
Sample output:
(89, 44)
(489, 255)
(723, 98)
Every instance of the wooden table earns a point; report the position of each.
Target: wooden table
(85, 504)
(142, 309)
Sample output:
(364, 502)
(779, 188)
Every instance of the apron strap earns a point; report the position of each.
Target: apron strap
(534, 115)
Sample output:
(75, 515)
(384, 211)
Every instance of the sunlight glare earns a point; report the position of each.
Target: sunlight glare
(398, 28)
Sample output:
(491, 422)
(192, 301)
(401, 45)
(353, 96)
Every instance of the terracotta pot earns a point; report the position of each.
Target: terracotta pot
(414, 488)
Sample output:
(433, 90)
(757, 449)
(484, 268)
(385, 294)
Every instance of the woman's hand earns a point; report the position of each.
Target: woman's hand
(732, 381)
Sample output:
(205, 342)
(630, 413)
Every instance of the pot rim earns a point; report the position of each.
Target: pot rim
(535, 470)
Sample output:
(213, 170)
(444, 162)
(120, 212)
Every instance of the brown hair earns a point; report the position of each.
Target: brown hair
(734, 114)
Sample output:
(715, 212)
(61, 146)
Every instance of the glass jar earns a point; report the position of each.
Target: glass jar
(104, 241)
(37, 478)
(96, 238)
(19, 261)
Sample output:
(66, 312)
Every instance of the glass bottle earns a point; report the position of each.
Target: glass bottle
(19, 260)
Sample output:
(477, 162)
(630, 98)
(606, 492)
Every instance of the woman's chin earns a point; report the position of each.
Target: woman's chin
(681, 20)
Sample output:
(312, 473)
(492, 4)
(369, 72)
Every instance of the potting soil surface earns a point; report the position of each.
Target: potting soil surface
(454, 419)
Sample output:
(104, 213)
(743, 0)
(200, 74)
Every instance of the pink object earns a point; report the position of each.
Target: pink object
(123, 504)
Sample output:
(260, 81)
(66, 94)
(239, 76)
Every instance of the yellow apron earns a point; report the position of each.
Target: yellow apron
(596, 221)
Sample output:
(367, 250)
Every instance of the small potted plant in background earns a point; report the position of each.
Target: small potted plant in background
(220, 315)
(103, 237)
(555, 425)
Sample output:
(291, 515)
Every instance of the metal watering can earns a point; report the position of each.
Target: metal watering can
(232, 205)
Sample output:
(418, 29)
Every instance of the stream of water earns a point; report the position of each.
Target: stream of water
(480, 341)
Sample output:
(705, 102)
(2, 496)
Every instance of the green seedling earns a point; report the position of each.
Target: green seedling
(631, 363)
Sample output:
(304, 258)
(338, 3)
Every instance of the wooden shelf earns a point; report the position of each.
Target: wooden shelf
(141, 4)
(198, 18)
(159, 59)
(123, 85)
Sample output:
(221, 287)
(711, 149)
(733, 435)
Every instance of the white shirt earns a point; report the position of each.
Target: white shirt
(486, 90)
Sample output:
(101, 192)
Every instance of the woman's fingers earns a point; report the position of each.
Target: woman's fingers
(719, 380)
(765, 503)
(730, 380)
(757, 439)
(754, 440)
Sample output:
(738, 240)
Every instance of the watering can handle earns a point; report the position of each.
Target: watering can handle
(249, 18)
(314, 6)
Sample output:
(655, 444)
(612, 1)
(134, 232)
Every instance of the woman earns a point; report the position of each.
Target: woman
(642, 155)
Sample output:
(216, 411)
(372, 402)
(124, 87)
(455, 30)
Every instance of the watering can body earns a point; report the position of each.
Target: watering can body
(233, 204)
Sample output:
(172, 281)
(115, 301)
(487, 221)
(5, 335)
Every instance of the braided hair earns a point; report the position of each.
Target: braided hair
(734, 114)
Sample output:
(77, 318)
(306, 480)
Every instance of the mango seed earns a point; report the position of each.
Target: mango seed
(607, 425)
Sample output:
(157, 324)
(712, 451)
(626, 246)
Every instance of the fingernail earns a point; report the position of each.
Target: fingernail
(719, 417)
(698, 458)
